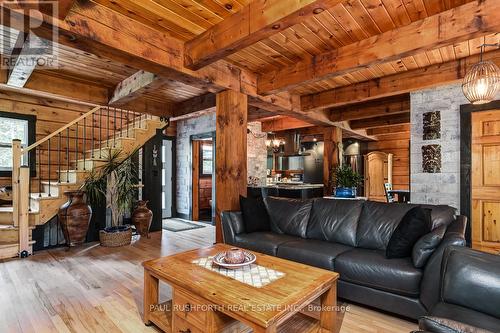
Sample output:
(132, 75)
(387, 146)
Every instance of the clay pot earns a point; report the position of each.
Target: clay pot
(234, 256)
(74, 217)
(142, 218)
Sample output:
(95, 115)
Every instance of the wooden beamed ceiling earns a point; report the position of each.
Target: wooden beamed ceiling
(310, 60)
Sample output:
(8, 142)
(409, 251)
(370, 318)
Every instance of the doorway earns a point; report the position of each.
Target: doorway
(480, 174)
(167, 157)
(203, 173)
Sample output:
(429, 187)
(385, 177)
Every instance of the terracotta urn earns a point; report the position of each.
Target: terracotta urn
(142, 217)
(74, 217)
(234, 256)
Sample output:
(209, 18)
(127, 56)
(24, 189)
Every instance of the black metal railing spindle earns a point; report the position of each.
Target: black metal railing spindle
(76, 146)
(100, 133)
(67, 155)
(84, 140)
(39, 172)
(114, 127)
(59, 158)
(107, 131)
(128, 123)
(48, 144)
(121, 122)
(93, 129)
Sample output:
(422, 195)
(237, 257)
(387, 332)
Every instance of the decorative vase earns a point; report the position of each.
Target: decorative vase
(74, 217)
(234, 256)
(345, 192)
(142, 218)
(116, 236)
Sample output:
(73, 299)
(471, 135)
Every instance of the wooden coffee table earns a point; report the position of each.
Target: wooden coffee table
(205, 301)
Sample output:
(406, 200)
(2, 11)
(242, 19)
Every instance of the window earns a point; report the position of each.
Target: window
(206, 159)
(14, 126)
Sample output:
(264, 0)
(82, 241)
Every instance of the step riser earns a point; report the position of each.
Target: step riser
(89, 164)
(12, 251)
(10, 235)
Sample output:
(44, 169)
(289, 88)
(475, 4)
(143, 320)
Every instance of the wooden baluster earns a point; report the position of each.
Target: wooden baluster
(16, 164)
(48, 144)
(24, 175)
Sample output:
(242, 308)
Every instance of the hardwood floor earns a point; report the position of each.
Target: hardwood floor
(97, 289)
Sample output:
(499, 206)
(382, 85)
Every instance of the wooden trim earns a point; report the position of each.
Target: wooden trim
(446, 28)
(405, 82)
(23, 198)
(195, 174)
(466, 159)
(254, 22)
(16, 165)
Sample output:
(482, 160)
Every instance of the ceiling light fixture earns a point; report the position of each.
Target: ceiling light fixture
(482, 82)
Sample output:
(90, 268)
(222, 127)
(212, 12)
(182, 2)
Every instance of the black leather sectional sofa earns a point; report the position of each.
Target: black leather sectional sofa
(469, 300)
(350, 237)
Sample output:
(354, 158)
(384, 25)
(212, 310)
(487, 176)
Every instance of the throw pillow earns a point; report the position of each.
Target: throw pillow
(288, 216)
(254, 212)
(414, 224)
(426, 245)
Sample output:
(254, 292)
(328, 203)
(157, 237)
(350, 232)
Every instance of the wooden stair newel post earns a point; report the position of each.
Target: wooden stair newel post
(24, 181)
(230, 154)
(332, 137)
(16, 164)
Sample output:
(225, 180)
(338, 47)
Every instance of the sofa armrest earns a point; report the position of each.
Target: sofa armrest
(232, 225)
(444, 325)
(430, 286)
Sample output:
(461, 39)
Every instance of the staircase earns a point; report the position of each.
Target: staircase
(72, 152)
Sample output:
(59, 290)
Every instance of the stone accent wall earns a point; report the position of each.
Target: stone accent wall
(443, 187)
(256, 152)
(186, 128)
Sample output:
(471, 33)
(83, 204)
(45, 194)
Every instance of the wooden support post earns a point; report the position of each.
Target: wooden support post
(230, 153)
(24, 178)
(332, 137)
(16, 164)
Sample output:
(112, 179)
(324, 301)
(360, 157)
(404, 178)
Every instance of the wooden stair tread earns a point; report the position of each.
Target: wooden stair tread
(43, 196)
(4, 244)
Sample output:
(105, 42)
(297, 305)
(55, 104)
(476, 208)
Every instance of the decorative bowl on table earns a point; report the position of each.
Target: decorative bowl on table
(234, 258)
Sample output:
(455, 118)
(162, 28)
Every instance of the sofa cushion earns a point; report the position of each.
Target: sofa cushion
(377, 223)
(415, 224)
(266, 242)
(255, 216)
(426, 245)
(379, 220)
(471, 279)
(372, 269)
(288, 216)
(335, 220)
(466, 316)
(312, 252)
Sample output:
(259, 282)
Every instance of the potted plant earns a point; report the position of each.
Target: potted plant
(346, 181)
(113, 184)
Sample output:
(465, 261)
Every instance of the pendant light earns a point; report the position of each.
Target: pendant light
(482, 82)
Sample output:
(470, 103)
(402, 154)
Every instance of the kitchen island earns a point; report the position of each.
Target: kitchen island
(287, 190)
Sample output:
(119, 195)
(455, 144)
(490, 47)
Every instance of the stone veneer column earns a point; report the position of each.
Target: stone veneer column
(444, 187)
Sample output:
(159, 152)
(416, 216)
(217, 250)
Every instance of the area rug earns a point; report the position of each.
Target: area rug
(177, 224)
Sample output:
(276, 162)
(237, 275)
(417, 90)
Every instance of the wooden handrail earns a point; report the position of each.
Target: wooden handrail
(39, 142)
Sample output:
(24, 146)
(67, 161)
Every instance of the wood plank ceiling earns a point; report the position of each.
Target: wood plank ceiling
(346, 23)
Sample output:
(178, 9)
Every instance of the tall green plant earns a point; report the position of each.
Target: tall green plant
(113, 184)
(346, 177)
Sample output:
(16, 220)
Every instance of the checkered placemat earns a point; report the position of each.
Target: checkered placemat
(253, 274)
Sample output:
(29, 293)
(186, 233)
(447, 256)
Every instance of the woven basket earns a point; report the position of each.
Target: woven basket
(117, 238)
